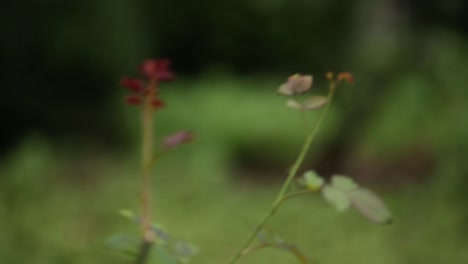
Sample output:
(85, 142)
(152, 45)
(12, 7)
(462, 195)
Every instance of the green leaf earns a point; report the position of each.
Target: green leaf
(337, 197)
(312, 180)
(314, 102)
(370, 206)
(184, 251)
(127, 214)
(162, 236)
(123, 243)
(160, 254)
(291, 103)
(285, 89)
(310, 103)
(343, 183)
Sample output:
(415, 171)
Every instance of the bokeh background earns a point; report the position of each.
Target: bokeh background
(69, 147)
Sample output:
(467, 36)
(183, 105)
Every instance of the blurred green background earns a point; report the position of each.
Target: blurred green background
(69, 148)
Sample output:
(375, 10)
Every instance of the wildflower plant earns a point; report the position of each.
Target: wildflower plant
(144, 93)
(340, 191)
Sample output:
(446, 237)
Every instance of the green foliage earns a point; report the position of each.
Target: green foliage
(124, 243)
(343, 183)
(344, 192)
(269, 239)
(338, 193)
(370, 205)
(162, 255)
(312, 180)
(165, 249)
(83, 208)
(311, 103)
(337, 197)
(314, 102)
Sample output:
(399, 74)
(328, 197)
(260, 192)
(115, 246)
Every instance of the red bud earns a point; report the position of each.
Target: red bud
(157, 103)
(133, 84)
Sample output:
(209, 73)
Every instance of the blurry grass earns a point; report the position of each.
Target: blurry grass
(60, 206)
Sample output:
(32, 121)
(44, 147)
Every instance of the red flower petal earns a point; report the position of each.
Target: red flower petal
(157, 70)
(165, 76)
(157, 103)
(133, 84)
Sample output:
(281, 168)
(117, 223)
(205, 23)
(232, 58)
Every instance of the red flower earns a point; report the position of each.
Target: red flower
(157, 70)
(133, 84)
(146, 89)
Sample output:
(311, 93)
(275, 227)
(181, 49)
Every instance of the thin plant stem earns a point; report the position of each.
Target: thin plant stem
(306, 145)
(144, 252)
(292, 173)
(297, 253)
(252, 249)
(295, 194)
(146, 158)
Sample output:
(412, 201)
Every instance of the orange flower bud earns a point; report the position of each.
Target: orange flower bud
(345, 76)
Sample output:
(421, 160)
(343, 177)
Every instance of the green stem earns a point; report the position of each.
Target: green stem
(144, 252)
(292, 173)
(294, 194)
(146, 162)
(306, 145)
(297, 253)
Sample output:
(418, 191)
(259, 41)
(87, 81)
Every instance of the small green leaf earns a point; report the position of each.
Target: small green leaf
(291, 103)
(312, 180)
(337, 197)
(184, 251)
(161, 254)
(314, 102)
(123, 243)
(370, 206)
(343, 183)
(127, 214)
(162, 236)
